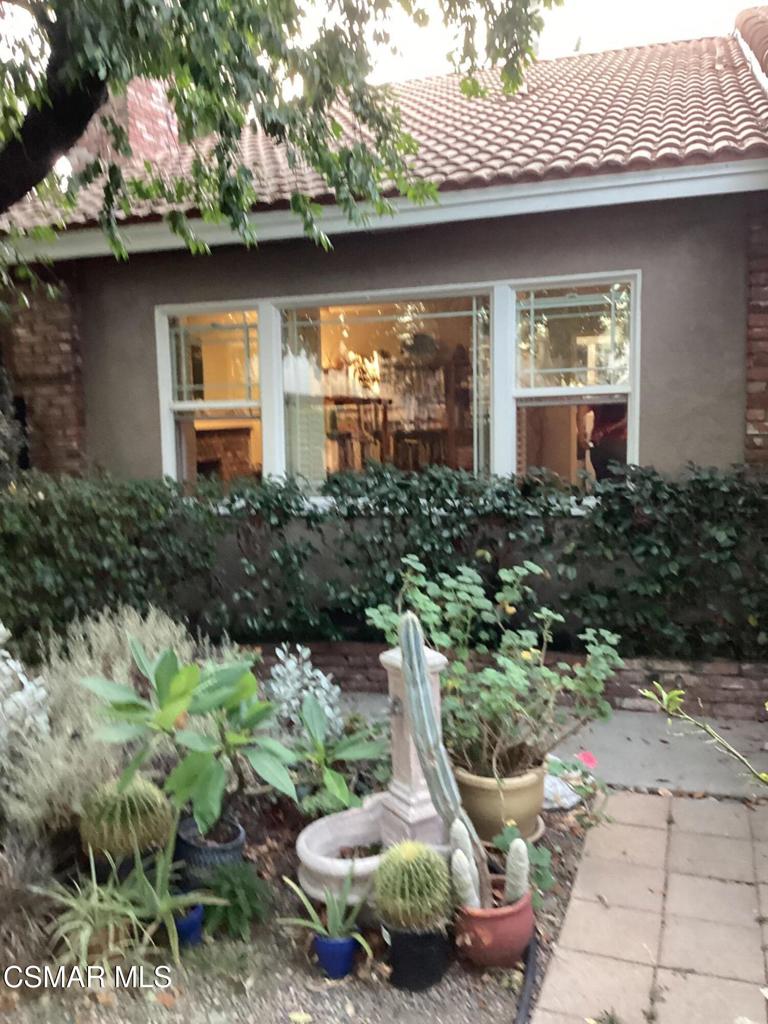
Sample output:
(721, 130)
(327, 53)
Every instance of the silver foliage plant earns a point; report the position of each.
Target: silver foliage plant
(23, 703)
(291, 680)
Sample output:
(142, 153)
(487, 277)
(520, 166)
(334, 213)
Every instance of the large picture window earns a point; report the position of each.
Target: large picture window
(405, 383)
(496, 378)
(216, 394)
(573, 378)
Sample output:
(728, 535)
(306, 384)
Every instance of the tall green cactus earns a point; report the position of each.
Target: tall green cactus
(429, 745)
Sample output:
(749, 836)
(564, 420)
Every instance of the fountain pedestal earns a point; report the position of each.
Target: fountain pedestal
(405, 811)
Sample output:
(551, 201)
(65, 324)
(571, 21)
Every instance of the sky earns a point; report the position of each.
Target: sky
(586, 24)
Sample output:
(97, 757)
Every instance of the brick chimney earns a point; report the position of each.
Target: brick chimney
(145, 113)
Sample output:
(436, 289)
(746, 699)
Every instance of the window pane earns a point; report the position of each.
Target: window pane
(569, 438)
(223, 448)
(574, 337)
(406, 383)
(216, 357)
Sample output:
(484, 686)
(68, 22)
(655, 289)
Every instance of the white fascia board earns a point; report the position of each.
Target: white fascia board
(452, 207)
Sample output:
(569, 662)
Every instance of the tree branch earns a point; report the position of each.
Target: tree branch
(50, 130)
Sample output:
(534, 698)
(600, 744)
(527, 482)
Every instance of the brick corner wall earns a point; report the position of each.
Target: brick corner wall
(41, 352)
(756, 426)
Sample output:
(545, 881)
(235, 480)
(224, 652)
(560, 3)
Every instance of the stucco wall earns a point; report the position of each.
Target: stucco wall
(692, 255)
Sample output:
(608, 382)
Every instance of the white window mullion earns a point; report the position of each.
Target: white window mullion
(271, 390)
(503, 357)
(165, 390)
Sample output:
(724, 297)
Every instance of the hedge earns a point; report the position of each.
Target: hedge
(677, 567)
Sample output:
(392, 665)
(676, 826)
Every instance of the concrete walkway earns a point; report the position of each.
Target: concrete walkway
(665, 920)
(639, 749)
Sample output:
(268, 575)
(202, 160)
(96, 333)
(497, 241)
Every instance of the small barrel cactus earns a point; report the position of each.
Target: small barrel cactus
(412, 888)
(115, 822)
(517, 871)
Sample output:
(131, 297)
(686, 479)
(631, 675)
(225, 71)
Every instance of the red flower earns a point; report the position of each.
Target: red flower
(587, 759)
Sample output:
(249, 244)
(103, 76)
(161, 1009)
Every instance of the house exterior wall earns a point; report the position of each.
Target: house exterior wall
(756, 440)
(692, 255)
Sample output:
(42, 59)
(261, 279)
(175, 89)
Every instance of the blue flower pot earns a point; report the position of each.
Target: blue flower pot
(336, 956)
(189, 926)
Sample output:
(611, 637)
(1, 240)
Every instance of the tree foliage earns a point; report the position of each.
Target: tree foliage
(286, 68)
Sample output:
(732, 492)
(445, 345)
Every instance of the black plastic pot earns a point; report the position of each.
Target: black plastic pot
(418, 959)
(202, 857)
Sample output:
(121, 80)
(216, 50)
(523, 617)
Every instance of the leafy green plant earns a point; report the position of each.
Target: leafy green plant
(504, 716)
(340, 916)
(671, 702)
(114, 820)
(95, 922)
(539, 859)
(224, 698)
(317, 752)
(248, 899)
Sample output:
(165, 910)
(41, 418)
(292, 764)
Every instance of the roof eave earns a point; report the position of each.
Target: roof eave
(714, 178)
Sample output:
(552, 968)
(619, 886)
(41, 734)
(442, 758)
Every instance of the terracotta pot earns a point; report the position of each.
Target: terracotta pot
(492, 803)
(496, 937)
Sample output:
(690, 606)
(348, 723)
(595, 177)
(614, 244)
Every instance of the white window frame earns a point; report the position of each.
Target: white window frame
(504, 391)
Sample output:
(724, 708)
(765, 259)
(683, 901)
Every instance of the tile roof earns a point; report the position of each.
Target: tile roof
(644, 107)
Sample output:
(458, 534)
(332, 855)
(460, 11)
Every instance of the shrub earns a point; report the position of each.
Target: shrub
(293, 679)
(248, 899)
(49, 771)
(70, 548)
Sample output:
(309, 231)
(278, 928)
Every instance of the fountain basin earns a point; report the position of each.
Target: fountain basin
(318, 846)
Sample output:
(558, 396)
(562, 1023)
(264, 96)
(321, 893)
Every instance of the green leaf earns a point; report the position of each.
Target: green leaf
(164, 669)
(140, 658)
(132, 767)
(358, 747)
(115, 693)
(196, 741)
(314, 718)
(255, 713)
(337, 786)
(182, 780)
(208, 795)
(272, 770)
(281, 752)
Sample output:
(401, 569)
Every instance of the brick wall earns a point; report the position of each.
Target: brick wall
(722, 689)
(756, 439)
(41, 352)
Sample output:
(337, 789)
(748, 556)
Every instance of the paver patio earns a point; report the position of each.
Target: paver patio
(665, 922)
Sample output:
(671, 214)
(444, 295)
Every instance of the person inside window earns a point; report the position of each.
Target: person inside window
(606, 437)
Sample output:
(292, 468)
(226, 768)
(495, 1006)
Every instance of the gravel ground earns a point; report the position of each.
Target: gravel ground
(273, 980)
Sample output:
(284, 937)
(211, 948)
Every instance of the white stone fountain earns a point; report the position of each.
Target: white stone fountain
(404, 811)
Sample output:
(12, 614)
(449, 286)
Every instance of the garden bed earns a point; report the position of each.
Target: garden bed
(274, 978)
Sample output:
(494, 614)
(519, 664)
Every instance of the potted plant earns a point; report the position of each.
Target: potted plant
(491, 930)
(412, 891)
(223, 700)
(336, 941)
(505, 707)
(496, 935)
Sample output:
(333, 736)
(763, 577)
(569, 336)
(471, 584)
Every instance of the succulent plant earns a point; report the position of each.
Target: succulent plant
(115, 822)
(464, 887)
(412, 888)
(517, 871)
(433, 756)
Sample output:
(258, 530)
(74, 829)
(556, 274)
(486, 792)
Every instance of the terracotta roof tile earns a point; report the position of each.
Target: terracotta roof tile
(636, 108)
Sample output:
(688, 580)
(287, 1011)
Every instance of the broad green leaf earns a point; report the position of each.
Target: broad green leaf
(184, 682)
(140, 658)
(182, 780)
(273, 746)
(207, 796)
(337, 786)
(164, 719)
(197, 741)
(255, 713)
(272, 770)
(358, 747)
(163, 671)
(314, 719)
(115, 693)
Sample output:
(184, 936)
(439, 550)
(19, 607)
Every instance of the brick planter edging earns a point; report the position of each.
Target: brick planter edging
(720, 689)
